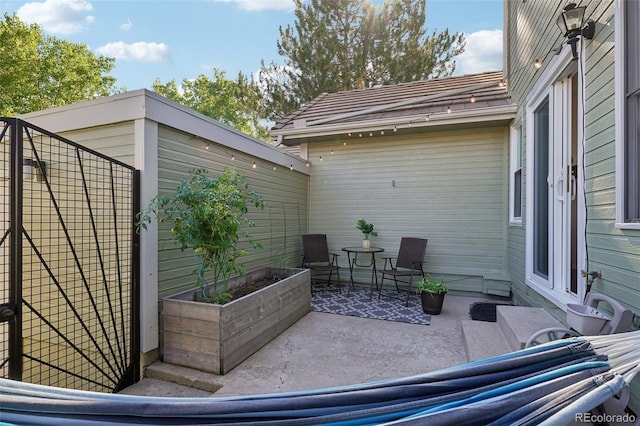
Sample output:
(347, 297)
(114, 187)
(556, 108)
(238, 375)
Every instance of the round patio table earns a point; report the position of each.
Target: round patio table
(352, 257)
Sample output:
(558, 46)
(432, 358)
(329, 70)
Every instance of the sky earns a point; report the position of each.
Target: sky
(178, 39)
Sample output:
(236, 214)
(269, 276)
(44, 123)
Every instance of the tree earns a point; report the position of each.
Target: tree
(351, 44)
(233, 102)
(40, 72)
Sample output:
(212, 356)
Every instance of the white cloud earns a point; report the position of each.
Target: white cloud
(141, 51)
(58, 16)
(126, 26)
(483, 52)
(261, 4)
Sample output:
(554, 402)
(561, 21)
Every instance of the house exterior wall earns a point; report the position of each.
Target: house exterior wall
(278, 225)
(612, 249)
(447, 186)
(127, 126)
(114, 140)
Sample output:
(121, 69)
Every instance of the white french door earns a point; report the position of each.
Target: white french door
(554, 241)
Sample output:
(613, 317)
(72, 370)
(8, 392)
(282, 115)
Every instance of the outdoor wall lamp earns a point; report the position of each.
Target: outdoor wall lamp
(571, 24)
(33, 170)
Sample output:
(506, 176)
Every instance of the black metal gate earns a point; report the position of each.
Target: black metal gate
(69, 308)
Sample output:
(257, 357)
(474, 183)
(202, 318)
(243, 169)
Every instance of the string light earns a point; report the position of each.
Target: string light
(307, 164)
(332, 151)
(382, 132)
(275, 168)
(360, 135)
(321, 158)
(344, 143)
(254, 165)
(291, 167)
(233, 157)
(349, 134)
(448, 110)
(537, 64)
(473, 99)
(370, 133)
(206, 147)
(395, 128)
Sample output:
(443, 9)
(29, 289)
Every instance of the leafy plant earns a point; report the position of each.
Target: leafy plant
(366, 228)
(429, 285)
(208, 215)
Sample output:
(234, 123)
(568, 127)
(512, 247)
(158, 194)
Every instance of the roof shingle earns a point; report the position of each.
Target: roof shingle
(401, 100)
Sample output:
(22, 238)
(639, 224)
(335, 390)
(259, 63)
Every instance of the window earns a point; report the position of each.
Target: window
(515, 193)
(541, 190)
(631, 114)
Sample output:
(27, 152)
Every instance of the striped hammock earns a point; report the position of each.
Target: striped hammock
(549, 384)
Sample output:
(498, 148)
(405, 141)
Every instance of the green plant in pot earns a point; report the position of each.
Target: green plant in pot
(367, 231)
(208, 215)
(432, 292)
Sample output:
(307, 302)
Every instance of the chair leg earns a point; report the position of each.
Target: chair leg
(409, 290)
(381, 285)
(329, 281)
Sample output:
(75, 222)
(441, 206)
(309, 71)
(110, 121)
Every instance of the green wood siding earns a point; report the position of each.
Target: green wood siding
(278, 226)
(613, 251)
(447, 186)
(115, 140)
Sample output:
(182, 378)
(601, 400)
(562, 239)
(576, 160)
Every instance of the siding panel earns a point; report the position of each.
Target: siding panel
(448, 187)
(277, 228)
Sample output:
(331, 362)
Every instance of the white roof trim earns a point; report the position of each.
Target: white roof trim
(144, 104)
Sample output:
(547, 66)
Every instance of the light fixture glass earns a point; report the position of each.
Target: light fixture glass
(571, 23)
(571, 18)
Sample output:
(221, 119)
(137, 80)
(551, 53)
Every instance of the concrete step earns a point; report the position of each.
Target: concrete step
(483, 339)
(183, 376)
(513, 327)
(519, 323)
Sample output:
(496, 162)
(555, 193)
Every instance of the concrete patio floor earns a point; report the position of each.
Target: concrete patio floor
(325, 350)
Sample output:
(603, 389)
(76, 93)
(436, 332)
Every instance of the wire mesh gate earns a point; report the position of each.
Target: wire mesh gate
(68, 263)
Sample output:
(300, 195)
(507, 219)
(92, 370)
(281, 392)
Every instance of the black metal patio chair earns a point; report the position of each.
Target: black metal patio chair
(408, 265)
(316, 257)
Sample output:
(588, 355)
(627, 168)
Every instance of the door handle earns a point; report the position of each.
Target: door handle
(560, 188)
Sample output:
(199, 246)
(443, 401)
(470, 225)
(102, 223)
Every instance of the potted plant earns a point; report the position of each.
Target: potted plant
(432, 292)
(203, 328)
(367, 230)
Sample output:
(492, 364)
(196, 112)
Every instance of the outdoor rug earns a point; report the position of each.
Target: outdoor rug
(357, 304)
(484, 311)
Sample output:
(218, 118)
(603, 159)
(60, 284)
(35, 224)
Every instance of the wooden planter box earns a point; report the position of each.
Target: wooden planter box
(216, 338)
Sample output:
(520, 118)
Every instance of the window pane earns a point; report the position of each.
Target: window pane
(541, 190)
(517, 194)
(632, 109)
